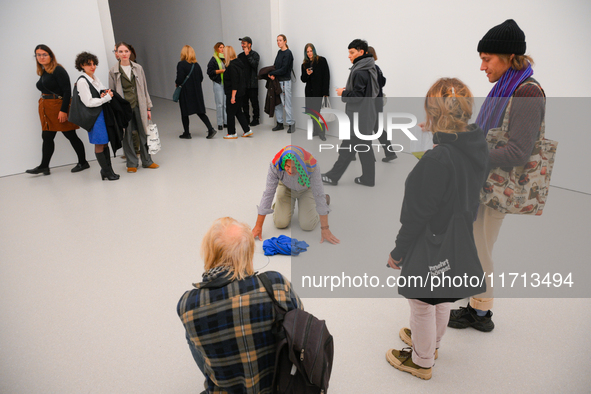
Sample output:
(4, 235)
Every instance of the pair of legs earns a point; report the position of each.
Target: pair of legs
(285, 103)
(136, 124)
(220, 104)
(252, 95)
(427, 325)
(204, 119)
(285, 205)
(48, 146)
(347, 153)
(235, 112)
(486, 231)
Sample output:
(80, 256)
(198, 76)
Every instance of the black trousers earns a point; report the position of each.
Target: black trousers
(234, 112)
(347, 151)
(252, 95)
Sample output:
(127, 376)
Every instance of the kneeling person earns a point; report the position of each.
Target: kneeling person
(294, 175)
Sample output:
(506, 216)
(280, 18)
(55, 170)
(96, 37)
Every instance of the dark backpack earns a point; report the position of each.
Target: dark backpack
(303, 361)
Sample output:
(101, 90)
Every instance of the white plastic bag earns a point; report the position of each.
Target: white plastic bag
(327, 117)
(153, 138)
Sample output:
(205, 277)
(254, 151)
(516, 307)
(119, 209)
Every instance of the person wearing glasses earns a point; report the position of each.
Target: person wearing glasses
(54, 105)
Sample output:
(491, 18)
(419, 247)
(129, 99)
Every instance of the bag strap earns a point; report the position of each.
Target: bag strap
(192, 67)
(269, 288)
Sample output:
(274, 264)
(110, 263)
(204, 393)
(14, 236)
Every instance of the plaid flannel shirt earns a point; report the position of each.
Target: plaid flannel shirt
(231, 327)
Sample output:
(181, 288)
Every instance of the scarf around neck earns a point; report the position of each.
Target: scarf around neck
(490, 114)
(218, 56)
(365, 63)
(303, 160)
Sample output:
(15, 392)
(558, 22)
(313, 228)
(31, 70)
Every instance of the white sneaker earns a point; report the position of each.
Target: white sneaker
(230, 136)
(248, 134)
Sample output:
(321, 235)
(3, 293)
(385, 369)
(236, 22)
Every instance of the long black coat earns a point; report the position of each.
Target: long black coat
(317, 83)
(191, 99)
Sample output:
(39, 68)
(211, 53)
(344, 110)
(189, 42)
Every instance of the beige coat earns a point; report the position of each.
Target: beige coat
(143, 97)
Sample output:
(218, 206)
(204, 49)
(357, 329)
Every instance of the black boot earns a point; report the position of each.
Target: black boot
(255, 122)
(104, 161)
(278, 127)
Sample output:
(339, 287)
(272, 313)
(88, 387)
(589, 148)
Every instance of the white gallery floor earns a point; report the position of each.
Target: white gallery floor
(91, 272)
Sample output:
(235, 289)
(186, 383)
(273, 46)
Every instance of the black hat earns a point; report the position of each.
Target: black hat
(505, 38)
(247, 39)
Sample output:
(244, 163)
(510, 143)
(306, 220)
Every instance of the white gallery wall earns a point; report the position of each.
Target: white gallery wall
(68, 27)
(417, 42)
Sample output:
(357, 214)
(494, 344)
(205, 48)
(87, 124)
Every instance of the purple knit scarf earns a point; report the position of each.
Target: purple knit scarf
(490, 114)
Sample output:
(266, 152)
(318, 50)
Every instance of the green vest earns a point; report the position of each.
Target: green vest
(129, 88)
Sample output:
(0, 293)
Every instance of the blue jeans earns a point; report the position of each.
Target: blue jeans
(220, 103)
(285, 102)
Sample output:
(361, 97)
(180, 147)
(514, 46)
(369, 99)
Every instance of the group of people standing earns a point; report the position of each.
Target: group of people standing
(107, 121)
(447, 180)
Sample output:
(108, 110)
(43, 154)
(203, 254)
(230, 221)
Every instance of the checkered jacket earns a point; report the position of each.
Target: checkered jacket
(231, 327)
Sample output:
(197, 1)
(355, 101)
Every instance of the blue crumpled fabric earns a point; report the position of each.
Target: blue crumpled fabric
(284, 245)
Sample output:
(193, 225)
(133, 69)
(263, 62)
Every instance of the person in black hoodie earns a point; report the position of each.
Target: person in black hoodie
(359, 95)
(459, 162)
(235, 88)
(316, 76)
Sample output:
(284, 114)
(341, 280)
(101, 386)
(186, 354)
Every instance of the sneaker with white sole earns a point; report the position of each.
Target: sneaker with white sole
(230, 136)
(402, 361)
(247, 134)
(405, 335)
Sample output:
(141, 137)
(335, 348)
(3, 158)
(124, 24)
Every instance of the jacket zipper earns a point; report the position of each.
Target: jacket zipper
(306, 337)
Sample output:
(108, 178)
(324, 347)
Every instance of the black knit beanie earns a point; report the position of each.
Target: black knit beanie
(506, 38)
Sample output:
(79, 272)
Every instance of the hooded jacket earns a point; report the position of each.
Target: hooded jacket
(430, 188)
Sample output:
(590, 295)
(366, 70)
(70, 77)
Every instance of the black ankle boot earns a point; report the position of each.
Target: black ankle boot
(278, 127)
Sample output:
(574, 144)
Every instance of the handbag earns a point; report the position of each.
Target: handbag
(326, 104)
(153, 137)
(177, 92)
(444, 266)
(522, 189)
(80, 114)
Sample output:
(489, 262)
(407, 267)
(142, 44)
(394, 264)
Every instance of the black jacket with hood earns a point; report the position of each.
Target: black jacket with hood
(430, 188)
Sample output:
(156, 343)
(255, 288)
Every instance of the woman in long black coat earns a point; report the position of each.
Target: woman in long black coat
(316, 76)
(191, 99)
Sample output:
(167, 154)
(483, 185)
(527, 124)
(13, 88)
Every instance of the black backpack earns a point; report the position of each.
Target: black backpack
(303, 361)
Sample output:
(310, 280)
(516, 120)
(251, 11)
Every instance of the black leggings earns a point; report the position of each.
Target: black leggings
(203, 118)
(49, 146)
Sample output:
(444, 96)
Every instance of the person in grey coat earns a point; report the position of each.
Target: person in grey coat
(128, 79)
